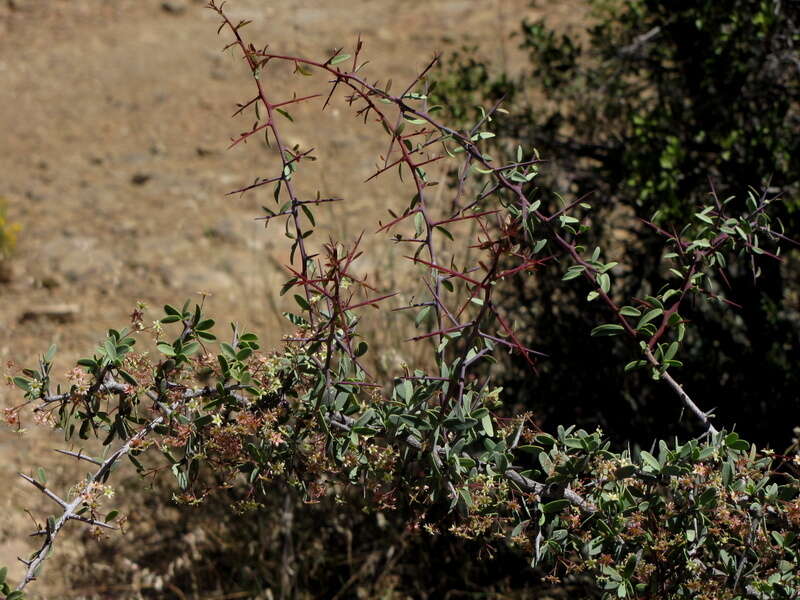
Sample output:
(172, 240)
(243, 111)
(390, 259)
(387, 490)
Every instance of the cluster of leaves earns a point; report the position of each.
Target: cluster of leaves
(696, 520)
(692, 519)
(434, 443)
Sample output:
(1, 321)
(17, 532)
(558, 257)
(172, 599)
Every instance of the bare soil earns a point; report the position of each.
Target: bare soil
(114, 123)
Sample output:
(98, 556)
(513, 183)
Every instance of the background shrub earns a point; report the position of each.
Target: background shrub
(649, 109)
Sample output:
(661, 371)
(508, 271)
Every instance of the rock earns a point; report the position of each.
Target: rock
(76, 258)
(7, 272)
(201, 151)
(212, 281)
(140, 178)
(54, 312)
(223, 231)
(173, 7)
(50, 282)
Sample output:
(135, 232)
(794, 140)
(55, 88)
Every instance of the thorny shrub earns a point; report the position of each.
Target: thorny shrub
(711, 517)
(640, 105)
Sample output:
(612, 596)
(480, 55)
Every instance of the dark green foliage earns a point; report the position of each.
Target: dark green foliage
(647, 109)
(662, 96)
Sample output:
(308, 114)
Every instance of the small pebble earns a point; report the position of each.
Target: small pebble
(140, 178)
(173, 8)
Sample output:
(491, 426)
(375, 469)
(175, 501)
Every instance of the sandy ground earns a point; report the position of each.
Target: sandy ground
(114, 123)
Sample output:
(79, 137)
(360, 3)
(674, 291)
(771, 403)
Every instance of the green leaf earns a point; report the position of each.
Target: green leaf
(529, 448)
(483, 135)
(708, 496)
(404, 390)
(165, 348)
(486, 422)
(739, 446)
(285, 114)
(635, 364)
(604, 281)
(88, 362)
(650, 461)
(607, 267)
(339, 58)
(731, 438)
(466, 497)
(545, 439)
(607, 329)
(138, 465)
(309, 214)
(547, 464)
(419, 224)
(555, 506)
(364, 419)
(302, 302)
(204, 325)
(202, 421)
(110, 349)
(649, 316)
(22, 383)
(421, 315)
(625, 472)
(50, 354)
(445, 232)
